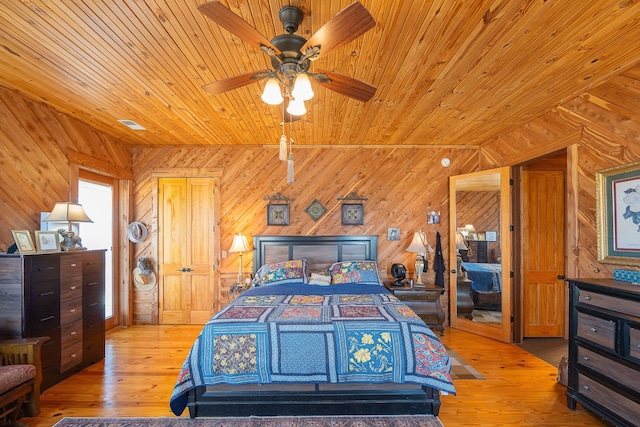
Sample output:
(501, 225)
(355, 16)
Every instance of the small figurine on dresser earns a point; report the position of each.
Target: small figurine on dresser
(70, 240)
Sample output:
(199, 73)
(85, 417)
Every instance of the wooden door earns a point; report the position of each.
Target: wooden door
(186, 250)
(543, 257)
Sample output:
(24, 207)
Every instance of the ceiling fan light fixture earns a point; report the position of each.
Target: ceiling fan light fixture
(272, 94)
(296, 107)
(302, 87)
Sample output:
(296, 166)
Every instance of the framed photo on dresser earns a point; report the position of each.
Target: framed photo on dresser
(24, 241)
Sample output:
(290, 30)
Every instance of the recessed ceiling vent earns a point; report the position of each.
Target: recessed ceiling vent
(132, 125)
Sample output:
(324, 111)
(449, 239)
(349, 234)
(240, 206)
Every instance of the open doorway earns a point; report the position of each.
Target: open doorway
(541, 201)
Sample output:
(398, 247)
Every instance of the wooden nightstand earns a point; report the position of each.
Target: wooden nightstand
(424, 301)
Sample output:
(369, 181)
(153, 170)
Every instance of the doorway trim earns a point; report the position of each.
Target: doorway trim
(124, 177)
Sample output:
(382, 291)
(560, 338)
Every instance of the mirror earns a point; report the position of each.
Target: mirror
(480, 253)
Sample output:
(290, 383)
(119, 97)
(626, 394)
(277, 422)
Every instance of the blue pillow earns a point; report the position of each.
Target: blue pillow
(359, 272)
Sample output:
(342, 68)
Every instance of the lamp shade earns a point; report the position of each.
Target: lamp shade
(239, 244)
(272, 94)
(67, 212)
(296, 107)
(302, 88)
(417, 244)
(460, 244)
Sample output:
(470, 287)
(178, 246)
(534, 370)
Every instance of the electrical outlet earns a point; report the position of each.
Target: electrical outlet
(224, 254)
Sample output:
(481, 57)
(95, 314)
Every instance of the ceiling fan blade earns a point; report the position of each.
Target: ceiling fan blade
(224, 17)
(349, 24)
(230, 83)
(346, 86)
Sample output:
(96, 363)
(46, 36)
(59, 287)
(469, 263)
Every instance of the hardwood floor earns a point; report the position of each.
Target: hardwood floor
(142, 362)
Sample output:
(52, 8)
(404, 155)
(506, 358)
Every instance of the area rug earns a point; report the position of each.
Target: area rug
(330, 421)
(460, 369)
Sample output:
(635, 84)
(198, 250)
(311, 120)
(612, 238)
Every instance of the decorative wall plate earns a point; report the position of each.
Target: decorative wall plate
(315, 210)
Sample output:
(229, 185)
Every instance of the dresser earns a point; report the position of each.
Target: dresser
(478, 251)
(604, 349)
(424, 301)
(58, 295)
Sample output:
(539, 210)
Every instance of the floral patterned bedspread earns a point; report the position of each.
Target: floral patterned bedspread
(310, 334)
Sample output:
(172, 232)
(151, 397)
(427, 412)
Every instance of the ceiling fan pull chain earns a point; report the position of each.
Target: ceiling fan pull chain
(283, 139)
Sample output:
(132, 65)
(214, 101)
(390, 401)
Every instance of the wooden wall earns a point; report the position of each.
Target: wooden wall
(36, 142)
(401, 185)
(599, 129)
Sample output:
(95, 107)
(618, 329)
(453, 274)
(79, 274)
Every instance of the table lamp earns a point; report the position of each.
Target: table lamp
(68, 212)
(239, 245)
(418, 246)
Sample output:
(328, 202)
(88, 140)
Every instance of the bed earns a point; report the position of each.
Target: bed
(486, 285)
(296, 345)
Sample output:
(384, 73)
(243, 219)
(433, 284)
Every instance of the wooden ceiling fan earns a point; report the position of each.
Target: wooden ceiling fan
(291, 54)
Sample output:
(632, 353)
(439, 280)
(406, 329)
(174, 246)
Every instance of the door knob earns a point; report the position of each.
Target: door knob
(185, 269)
(560, 277)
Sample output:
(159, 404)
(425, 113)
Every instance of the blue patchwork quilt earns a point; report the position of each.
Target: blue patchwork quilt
(314, 334)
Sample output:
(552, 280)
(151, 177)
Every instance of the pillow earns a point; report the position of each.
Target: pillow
(360, 272)
(277, 273)
(319, 279)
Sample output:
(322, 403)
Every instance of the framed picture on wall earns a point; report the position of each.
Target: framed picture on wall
(352, 214)
(618, 214)
(278, 214)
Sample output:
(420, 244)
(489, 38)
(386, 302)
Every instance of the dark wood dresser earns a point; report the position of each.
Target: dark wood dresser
(604, 349)
(424, 301)
(58, 295)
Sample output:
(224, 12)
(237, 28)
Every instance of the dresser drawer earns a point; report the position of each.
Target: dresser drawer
(634, 343)
(430, 319)
(92, 287)
(70, 288)
(92, 262)
(597, 330)
(614, 402)
(43, 294)
(621, 305)
(608, 367)
(407, 295)
(70, 265)
(71, 311)
(42, 268)
(71, 333)
(70, 356)
(42, 321)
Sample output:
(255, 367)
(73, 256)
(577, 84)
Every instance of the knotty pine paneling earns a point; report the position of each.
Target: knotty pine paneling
(401, 185)
(34, 139)
(604, 125)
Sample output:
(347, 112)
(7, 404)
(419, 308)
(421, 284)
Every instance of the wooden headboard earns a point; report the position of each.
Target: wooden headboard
(319, 251)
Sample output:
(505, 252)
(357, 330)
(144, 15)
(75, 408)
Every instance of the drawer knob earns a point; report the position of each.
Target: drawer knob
(73, 310)
(73, 333)
(585, 358)
(587, 298)
(586, 388)
(73, 288)
(593, 329)
(73, 356)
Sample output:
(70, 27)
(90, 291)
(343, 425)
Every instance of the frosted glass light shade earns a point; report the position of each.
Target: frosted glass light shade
(272, 94)
(296, 107)
(302, 88)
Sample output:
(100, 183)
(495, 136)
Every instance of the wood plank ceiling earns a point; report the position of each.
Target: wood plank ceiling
(448, 72)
